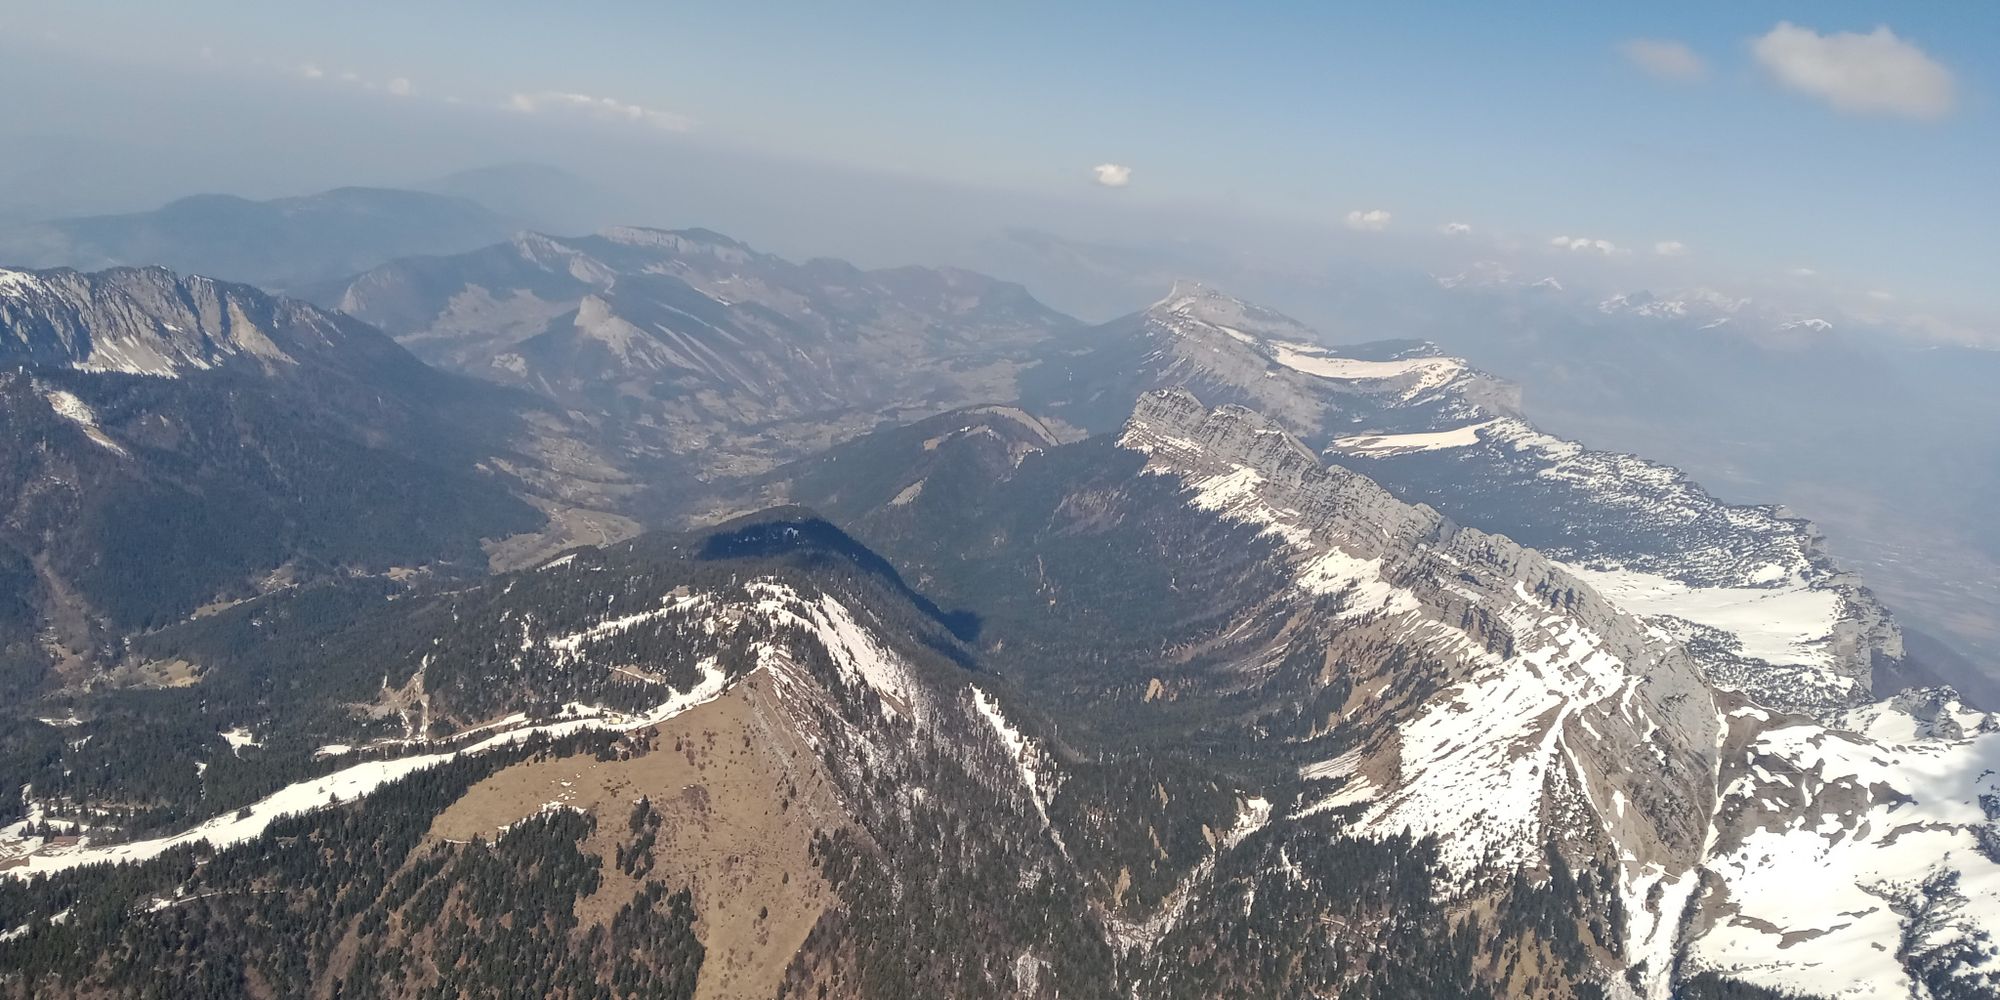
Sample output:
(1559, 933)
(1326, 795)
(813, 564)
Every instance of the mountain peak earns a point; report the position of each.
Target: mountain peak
(1190, 305)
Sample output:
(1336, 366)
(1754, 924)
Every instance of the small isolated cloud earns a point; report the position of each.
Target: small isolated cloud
(1373, 220)
(1670, 248)
(1455, 229)
(1112, 175)
(1802, 272)
(400, 87)
(1876, 73)
(310, 71)
(601, 108)
(1664, 59)
(1584, 244)
(1882, 296)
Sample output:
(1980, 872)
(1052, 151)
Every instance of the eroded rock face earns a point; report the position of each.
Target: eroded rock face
(1560, 719)
(1854, 857)
(1750, 590)
(150, 321)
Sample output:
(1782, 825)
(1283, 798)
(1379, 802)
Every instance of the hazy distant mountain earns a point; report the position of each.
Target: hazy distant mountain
(694, 343)
(282, 243)
(1893, 446)
(539, 196)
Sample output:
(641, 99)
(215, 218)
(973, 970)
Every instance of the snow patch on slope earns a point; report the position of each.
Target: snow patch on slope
(1027, 757)
(1789, 625)
(69, 407)
(1375, 445)
(1428, 372)
(1857, 850)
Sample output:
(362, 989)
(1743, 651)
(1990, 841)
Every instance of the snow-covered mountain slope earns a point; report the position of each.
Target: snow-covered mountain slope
(1750, 589)
(1229, 351)
(1857, 861)
(755, 626)
(1557, 720)
(822, 770)
(1890, 814)
(1410, 672)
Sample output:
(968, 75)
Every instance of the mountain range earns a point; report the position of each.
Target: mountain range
(973, 651)
(281, 243)
(1885, 438)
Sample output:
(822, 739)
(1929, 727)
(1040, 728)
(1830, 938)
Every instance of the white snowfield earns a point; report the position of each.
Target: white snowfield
(1473, 767)
(1378, 445)
(853, 648)
(1845, 832)
(1428, 372)
(1026, 754)
(69, 407)
(1236, 495)
(1790, 624)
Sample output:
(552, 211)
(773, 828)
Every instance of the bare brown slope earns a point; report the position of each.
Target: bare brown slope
(740, 798)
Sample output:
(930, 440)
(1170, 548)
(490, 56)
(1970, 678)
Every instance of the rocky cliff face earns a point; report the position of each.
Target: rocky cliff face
(1750, 590)
(1852, 857)
(1558, 719)
(151, 321)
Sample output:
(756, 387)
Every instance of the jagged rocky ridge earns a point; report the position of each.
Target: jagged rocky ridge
(1418, 673)
(1750, 589)
(1333, 649)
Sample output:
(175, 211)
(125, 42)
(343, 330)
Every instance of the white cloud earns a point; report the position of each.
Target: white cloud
(1455, 229)
(400, 87)
(1670, 248)
(1802, 272)
(602, 108)
(1664, 59)
(1585, 244)
(1882, 296)
(1373, 220)
(310, 71)
(1875, 73)
(1112, 175)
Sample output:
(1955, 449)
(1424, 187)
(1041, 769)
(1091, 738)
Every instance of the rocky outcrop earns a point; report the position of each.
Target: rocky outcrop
(1558, 718)
(150, 321)
(1750, 590)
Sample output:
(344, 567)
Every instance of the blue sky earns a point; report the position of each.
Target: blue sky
(1524, 122)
